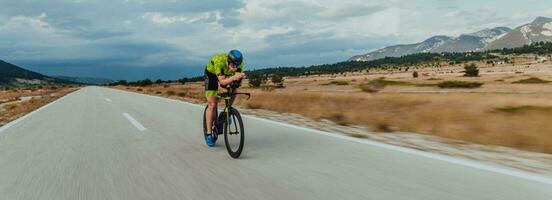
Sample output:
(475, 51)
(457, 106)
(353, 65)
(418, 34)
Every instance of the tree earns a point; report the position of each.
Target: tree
(256, 80)
(159, 81)
(183, 80)
(277, 80)
(145, 82)
(471, 70)
(120, 82)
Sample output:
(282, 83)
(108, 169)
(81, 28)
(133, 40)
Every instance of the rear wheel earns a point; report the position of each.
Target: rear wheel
(234, 134)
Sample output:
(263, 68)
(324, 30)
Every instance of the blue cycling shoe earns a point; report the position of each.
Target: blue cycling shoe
(209, 140)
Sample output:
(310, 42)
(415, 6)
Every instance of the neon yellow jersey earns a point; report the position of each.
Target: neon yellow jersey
(218, 65)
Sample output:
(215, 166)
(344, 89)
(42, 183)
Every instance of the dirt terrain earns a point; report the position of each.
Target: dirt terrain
(15, 103)
(502, 111)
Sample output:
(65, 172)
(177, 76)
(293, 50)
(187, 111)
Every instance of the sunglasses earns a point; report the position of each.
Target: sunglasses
(233, 65)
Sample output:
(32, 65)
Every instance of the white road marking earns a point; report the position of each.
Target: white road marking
(134, 122)
(459, 161)
(108, 100)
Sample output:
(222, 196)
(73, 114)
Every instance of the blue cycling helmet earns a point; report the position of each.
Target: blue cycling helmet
(235, 57)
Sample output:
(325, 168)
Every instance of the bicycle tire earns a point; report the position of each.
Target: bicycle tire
(238, 124)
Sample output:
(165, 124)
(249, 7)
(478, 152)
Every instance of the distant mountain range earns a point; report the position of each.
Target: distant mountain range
(488, 39)
(12, 75)
(86, 80)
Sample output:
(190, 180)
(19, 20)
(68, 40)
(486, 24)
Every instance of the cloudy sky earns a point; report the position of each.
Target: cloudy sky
(168, 39)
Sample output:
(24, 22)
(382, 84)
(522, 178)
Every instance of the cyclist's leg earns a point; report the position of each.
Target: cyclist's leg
(210, 114)
(211, 91)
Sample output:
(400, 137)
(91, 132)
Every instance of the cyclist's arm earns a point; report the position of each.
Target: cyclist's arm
(225, 81)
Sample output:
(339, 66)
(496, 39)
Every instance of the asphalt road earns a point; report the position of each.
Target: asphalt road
(100, 143)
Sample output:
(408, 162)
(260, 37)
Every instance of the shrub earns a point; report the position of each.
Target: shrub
(459, 84)
(170, 93)
(145, 82)
(378, 84)
(181, 94)
(471, 70)
(11, 106)
(277, 80)
(183, 80)
(371, 87)
(532, 80)
(358, 135)
(339, 83)
(382, 81)
(139, 89)
(415, 74)
(158, 92)
(120, 82)
(383, 127)
(524, 108)
(256, 80)
(339, 119)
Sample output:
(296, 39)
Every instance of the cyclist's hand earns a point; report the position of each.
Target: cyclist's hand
(239, 76)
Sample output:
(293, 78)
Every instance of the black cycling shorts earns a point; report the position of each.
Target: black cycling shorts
(211, 81)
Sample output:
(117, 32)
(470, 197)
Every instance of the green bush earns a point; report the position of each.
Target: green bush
(415, 74)
(358, 135)
(459, 84)
(181, 94)
(524, 108)
(378, 84)
(532, 80)
(371, 87)
(256, 80)
(471, 70)
(277, 80)
(170, 93)
(382, 81)
(145, 82)
(339, 83)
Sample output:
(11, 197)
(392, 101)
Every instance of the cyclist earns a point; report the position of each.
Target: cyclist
(223, 69)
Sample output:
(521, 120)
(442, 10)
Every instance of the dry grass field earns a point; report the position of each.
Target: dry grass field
(512, 107)
(17, 102)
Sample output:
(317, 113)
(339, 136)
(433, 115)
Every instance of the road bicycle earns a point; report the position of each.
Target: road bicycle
(228, 122)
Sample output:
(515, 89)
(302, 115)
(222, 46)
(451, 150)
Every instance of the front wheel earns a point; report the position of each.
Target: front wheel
(234, 133)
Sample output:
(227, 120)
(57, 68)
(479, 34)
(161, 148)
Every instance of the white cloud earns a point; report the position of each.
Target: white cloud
(165, 20)
(271, 33)
(36, 23)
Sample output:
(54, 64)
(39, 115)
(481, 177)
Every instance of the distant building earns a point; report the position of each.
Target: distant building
(497, 62)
